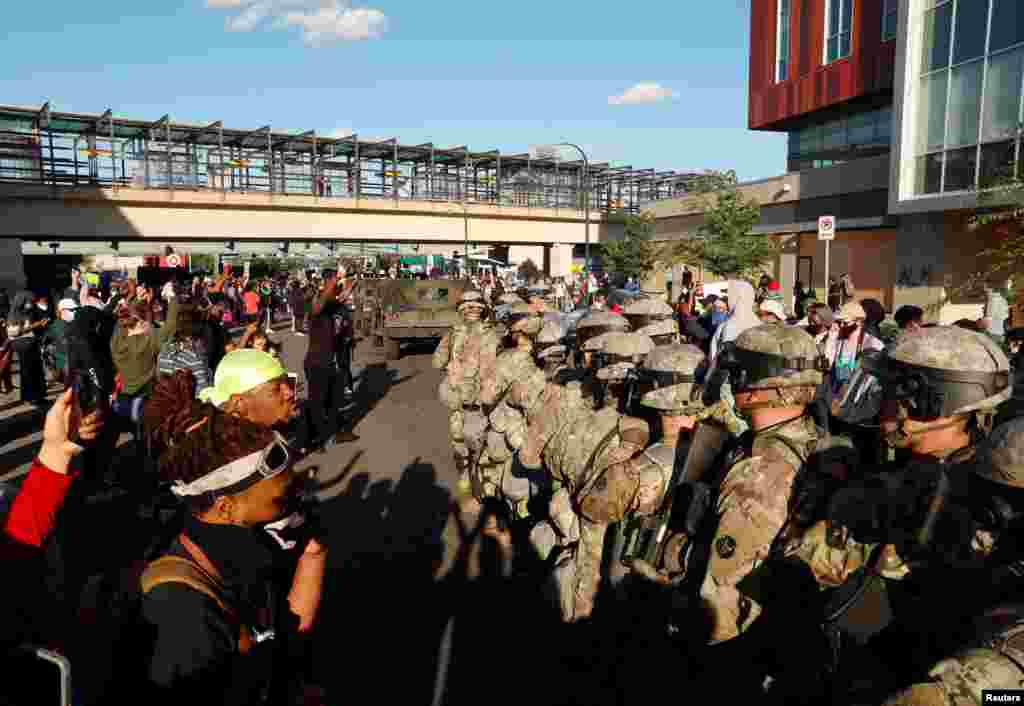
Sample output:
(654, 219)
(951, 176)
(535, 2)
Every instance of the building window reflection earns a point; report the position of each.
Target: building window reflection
(838, 20)
(863, 134)
(969, 95)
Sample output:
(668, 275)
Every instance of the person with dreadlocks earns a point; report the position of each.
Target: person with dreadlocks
(212, 598)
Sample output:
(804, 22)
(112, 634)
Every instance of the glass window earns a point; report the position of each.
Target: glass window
(861, 129)
(782, 42)
(890, 14)
(969, 35)
(1002, 95)
(996, 163)
(839, 18)
(960, 169)
(834, 135)
(931, 113)
(884, 125)
(929, 174)
(964, 104)
(810, 139)
(935, 45)
(1007, 24)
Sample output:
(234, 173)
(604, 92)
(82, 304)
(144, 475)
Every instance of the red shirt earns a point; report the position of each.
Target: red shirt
(31, 518)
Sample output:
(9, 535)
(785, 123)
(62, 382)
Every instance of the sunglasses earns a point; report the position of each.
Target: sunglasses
(275, 457)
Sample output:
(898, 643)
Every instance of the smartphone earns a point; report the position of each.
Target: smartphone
(86, 398)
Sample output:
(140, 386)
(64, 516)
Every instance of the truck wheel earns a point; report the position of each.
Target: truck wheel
(392, 349)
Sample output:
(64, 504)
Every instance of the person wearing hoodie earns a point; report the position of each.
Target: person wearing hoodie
(741, 317)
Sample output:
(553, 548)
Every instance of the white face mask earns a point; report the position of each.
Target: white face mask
(68, 316)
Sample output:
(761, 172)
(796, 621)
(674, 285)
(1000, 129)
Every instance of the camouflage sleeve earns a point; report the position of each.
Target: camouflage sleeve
(961, 680)
(488, 356)
(832, 566)
(443, 352)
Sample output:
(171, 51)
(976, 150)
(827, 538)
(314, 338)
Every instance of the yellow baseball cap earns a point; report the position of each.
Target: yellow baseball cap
(239, 372)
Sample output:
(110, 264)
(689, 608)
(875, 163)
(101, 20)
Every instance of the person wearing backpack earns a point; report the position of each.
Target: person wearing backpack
(210, 599)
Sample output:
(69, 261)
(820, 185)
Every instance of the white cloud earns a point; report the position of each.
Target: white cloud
(643, 93)
(339, 23)
(321, 21)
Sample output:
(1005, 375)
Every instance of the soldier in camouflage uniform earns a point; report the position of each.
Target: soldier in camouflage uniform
(552, 355)
(644, 312)
(467, 354)
(589, 458)
(940, 388)
(595, 324)
(622, 353)
(995, 657)
(664, 332)
(774, 372)
(929, 407)
(507, 432)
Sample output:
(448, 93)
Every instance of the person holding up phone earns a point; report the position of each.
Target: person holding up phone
(32, 517)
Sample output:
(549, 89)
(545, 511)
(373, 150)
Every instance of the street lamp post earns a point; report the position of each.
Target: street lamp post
(586, 214)
(465, 223)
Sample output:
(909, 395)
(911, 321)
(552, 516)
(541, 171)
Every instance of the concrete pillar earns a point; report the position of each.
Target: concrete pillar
(561, 259)
(786, 269)
(12, 265)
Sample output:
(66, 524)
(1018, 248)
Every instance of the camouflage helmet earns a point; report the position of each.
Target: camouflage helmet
(772, 356)
(597, 343)
(509, 298)
(623, 352)
(1000, 457)
(599, 322)
(662, 332)
(943, 371)
(671, 369)
(523, 319)
(471, 298)
(551, 333)
(643, 312)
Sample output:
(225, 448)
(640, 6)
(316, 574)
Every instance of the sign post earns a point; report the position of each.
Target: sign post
(827, 232)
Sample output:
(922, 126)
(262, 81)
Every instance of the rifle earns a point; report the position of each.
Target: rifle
(645, 535)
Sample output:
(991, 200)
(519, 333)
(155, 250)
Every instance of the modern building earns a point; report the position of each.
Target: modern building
(928, 90)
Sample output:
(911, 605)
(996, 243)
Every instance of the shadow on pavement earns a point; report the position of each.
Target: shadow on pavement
(475, 635)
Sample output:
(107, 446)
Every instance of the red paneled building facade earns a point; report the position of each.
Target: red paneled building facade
(822, 71)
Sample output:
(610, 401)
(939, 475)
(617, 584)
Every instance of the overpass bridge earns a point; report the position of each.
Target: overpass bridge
(82, 177)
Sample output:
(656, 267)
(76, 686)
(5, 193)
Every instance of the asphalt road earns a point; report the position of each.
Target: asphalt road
(389, 620)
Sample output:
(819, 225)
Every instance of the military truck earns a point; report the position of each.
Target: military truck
(415, 310)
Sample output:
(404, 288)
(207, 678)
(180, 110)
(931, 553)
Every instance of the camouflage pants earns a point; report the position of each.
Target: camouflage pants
(577, 573)
(468, 432)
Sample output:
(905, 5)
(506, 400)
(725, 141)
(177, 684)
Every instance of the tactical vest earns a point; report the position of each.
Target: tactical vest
(715, 555)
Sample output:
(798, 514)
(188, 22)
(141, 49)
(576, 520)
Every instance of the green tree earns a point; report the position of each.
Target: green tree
(634, 255)
(529, 271)
(724, 245)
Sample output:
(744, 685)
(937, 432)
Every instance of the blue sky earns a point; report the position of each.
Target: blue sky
(487, 75)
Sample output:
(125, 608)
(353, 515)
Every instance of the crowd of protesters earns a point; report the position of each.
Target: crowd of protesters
(216, 414)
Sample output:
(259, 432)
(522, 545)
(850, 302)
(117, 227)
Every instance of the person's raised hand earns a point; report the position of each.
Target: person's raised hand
(58, 450)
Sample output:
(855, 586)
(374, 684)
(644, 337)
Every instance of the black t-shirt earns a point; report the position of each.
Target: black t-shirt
(322, 336)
